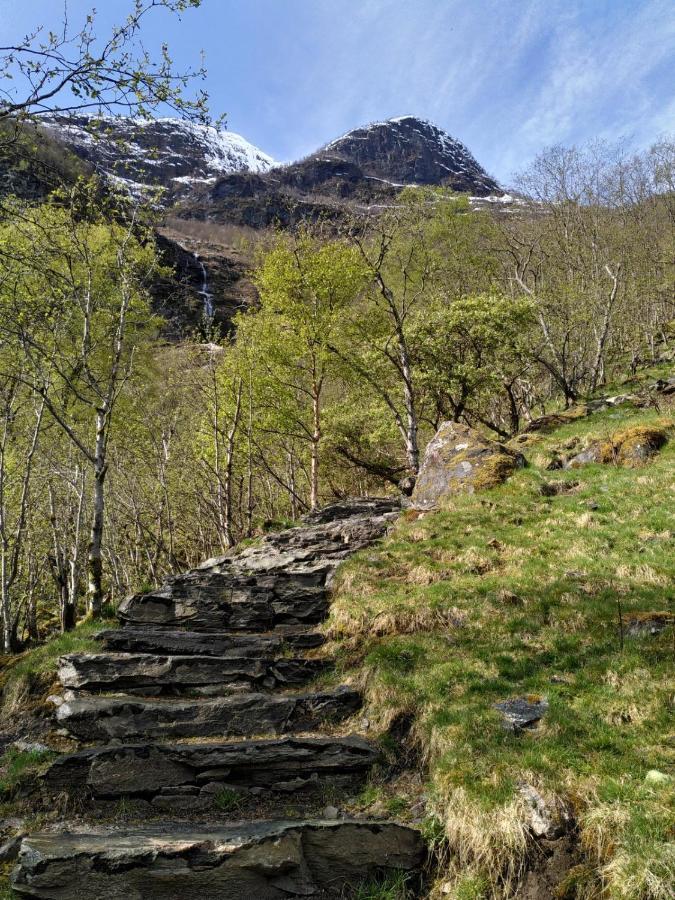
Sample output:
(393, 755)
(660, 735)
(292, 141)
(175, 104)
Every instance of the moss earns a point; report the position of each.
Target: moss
(494, 470)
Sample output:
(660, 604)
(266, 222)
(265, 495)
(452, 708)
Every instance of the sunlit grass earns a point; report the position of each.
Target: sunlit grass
(511, 593)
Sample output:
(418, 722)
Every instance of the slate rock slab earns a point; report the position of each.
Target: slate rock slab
(197, 643)
(215, 601)
(281, 765)
(104, 718)
(153, 675)
(521, 712)
(265, 860)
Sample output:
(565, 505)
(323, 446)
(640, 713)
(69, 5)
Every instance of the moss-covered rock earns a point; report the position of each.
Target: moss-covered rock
(460, 460)
(630, 447)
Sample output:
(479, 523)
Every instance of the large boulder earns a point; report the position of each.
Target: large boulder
(460, 460)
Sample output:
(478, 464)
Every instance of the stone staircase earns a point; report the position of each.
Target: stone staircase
(207, 737)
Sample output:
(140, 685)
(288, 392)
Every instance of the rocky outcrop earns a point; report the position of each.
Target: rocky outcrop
(236, 628)
(409, 150)
(265, 860)
(630, 448)
(363, 170)
(173, 154)
(460, 460)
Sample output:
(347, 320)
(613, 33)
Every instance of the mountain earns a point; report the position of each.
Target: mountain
(364, 169)
(408, 150)
(216, 181)
(169, 153)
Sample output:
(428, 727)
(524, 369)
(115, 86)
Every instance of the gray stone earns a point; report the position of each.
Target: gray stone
(198, 643)
(215, 601)
(460, 460)
(647, 624)
(265, 860)
(143, 770)
(147, 674)
(103, 718)
(521, 712)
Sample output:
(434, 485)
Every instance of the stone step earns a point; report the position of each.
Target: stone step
(265, 860)
(214, 601)
(152, 675)
(103, 718)
(204, 643)
(192, 776)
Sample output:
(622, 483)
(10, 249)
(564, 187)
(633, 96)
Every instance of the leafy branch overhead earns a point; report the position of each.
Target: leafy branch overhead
(72, 68)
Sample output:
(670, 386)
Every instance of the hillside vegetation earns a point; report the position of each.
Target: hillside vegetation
(543, 588)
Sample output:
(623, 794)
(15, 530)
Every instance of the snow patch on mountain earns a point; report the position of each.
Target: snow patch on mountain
(165, 152)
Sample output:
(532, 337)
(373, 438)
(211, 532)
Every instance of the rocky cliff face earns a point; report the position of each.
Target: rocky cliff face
(408, 150)
(363, 170)
(168, 153)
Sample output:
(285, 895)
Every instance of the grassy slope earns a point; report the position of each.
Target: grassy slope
(511, 593)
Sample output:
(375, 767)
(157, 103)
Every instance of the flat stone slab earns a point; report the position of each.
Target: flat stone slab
(521, 712)
(215, 601)
(265, 860)
(149, 771)
(103, 718)
(198, 643)
(153, 675)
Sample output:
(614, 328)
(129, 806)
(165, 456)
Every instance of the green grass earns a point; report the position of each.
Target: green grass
(512, 593)
(30, 673)
(227, 800)
(394, 886)
(18, 765)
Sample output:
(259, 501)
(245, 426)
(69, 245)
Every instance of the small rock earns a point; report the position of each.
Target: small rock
(331, 813)
(574, 575)
(10, 849)
(30, 746)
(55, 699)
(650, 623)
(543, 819)
(657, 778)
(522, 712)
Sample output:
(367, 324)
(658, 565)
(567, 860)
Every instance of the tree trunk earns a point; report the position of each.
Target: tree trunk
(411, 446)
(6, 607)
(316, 437)
(95, 554)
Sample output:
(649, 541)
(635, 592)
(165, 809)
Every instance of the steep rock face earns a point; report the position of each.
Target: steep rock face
(408, 150)
(365, 169)
(169, 153)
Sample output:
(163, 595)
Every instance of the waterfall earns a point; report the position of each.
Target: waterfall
(204, 292)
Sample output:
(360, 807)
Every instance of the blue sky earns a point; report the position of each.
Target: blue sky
(507, 77)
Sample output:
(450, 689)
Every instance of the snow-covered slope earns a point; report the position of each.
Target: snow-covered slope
(409, 150)
(170, 153)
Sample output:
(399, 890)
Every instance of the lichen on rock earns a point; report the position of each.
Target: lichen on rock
(460, 460)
